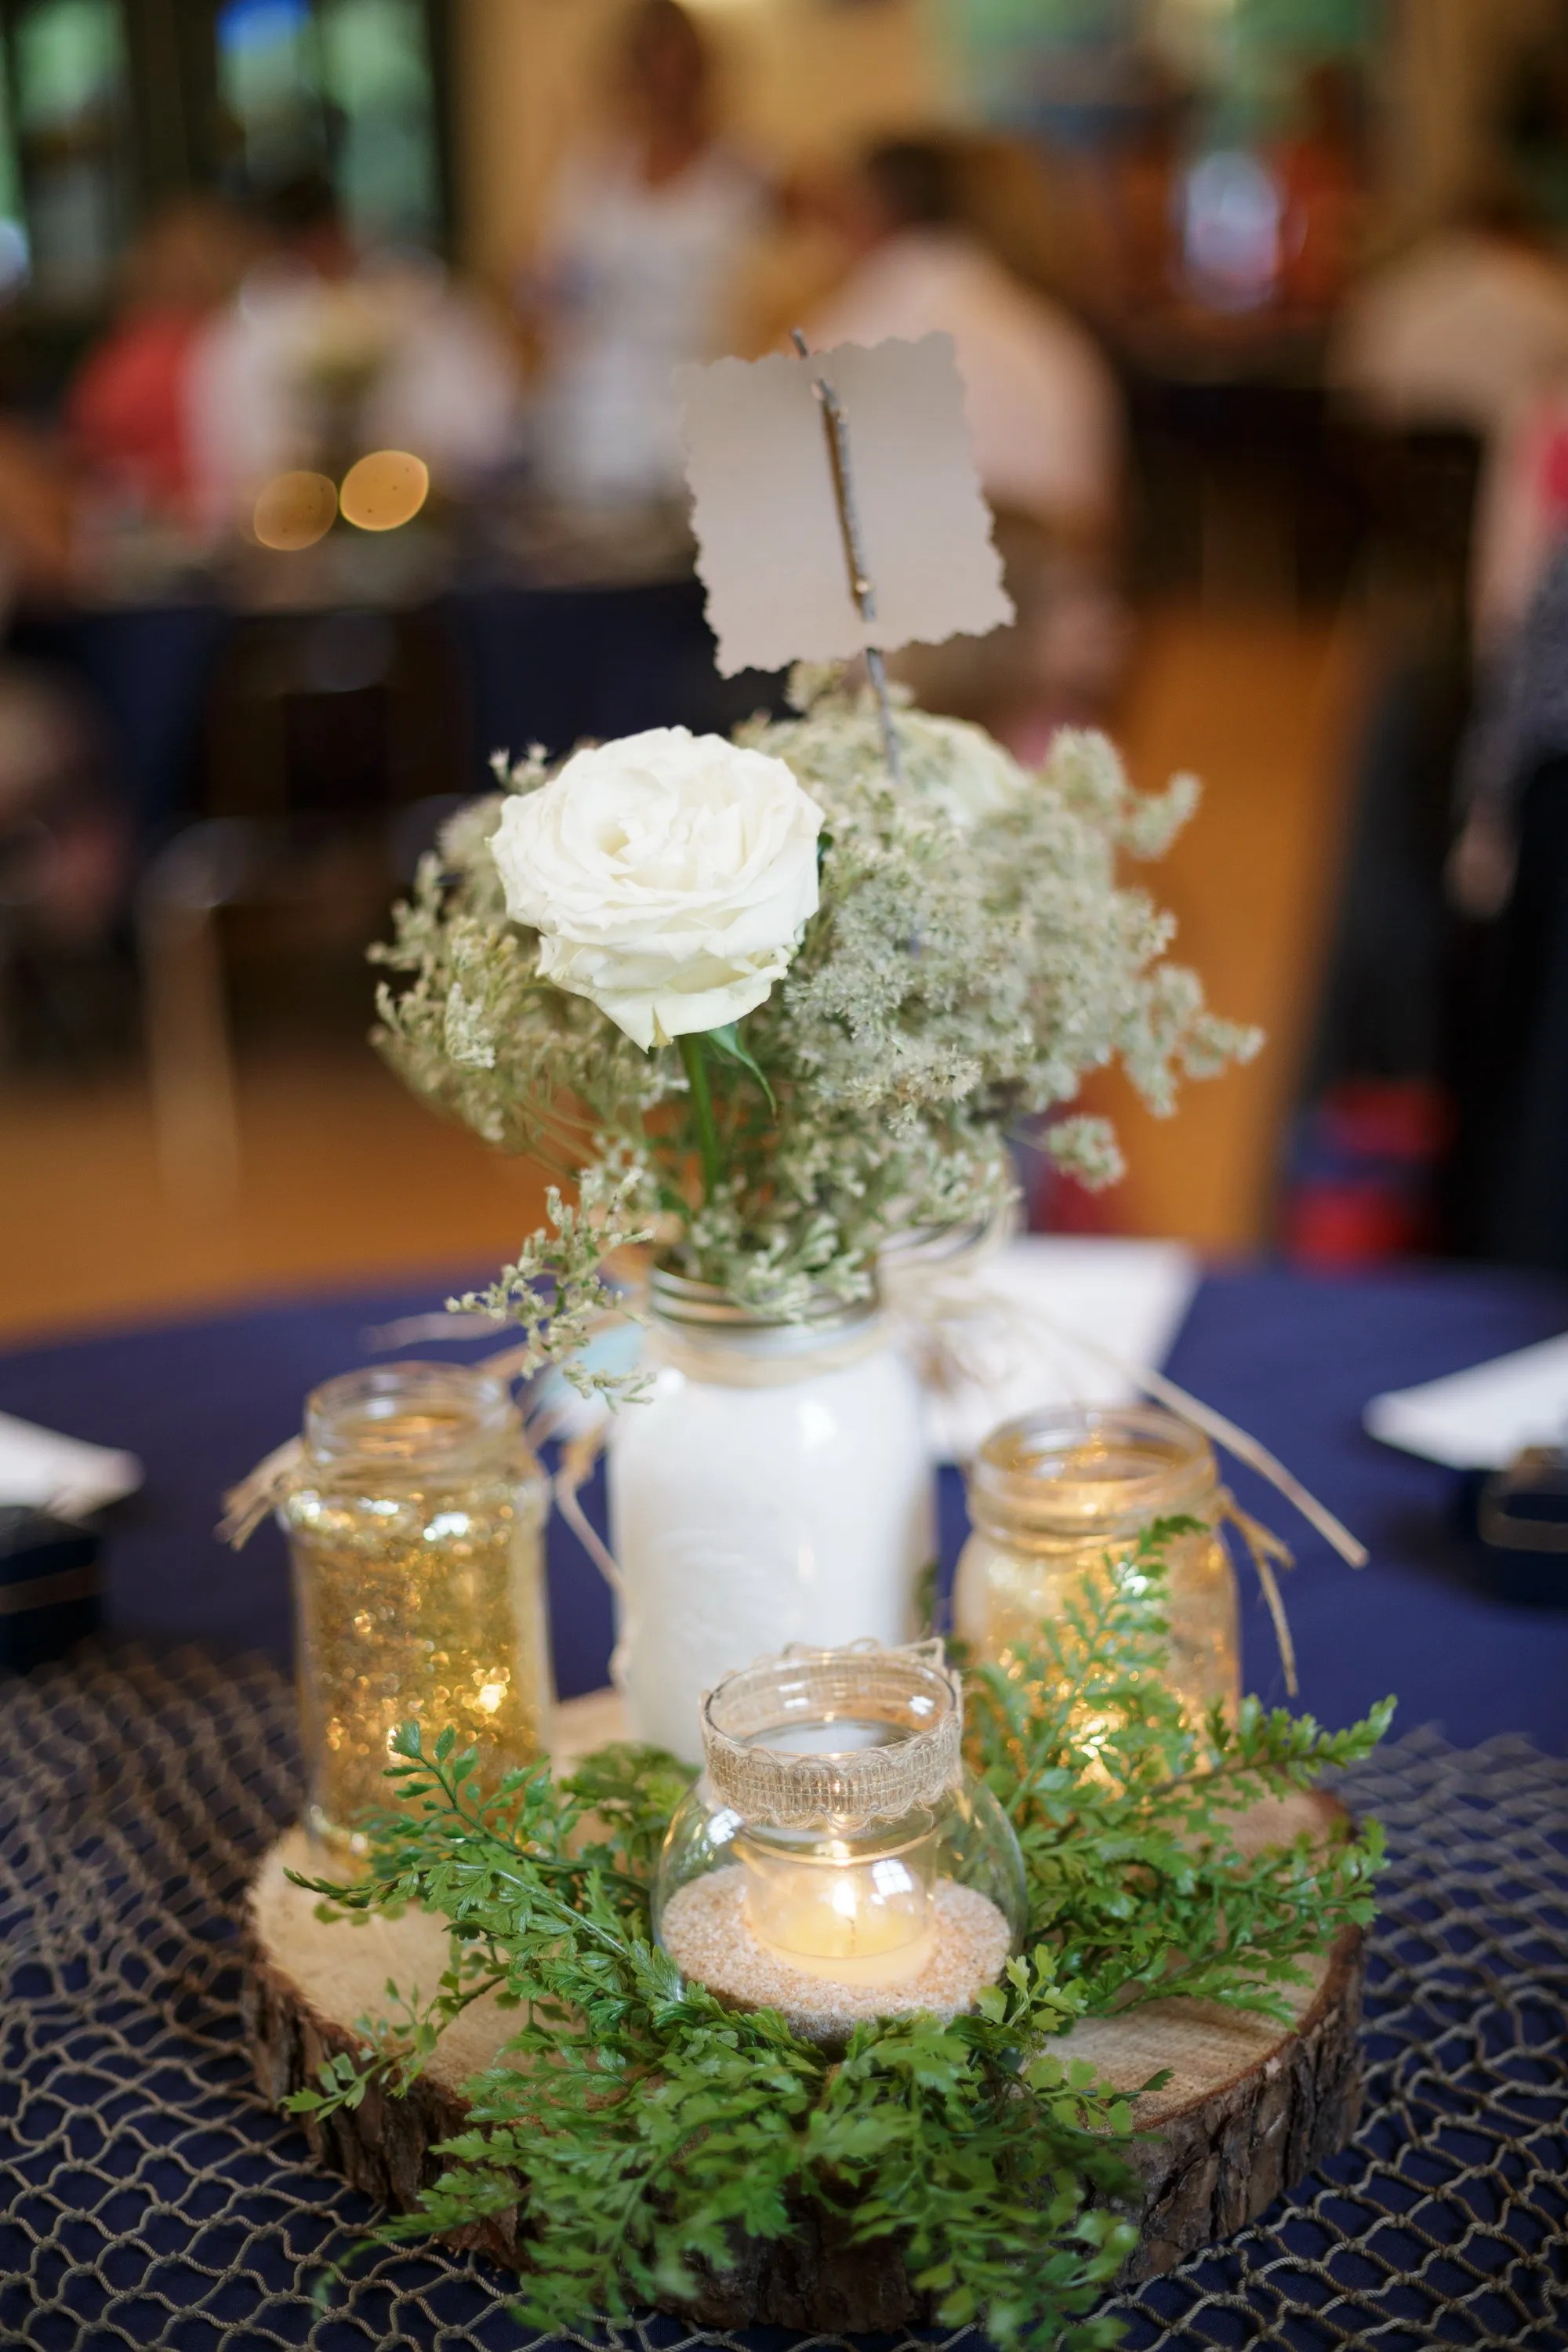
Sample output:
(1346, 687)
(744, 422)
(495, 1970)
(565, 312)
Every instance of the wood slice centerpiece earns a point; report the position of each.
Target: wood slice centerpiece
(1249, 2108)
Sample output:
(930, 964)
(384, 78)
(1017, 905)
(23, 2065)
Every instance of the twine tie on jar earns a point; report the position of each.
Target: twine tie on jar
(1267, 1552)
(578, 1456)
(259, 1492)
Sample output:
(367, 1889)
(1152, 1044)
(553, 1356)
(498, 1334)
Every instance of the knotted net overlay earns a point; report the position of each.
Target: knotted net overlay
(148, 2197)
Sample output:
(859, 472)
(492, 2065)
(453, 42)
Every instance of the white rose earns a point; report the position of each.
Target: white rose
(669, 875)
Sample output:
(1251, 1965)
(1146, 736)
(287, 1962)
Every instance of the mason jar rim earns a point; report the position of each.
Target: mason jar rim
(910, 1690)
(706, 1310)
(1026, 1475)
(354, 1416)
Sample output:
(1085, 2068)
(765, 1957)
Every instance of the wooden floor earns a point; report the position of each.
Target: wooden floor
(345, 1179)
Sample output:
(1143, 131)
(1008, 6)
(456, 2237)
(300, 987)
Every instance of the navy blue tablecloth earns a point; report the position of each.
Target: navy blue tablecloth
(1290, 1357)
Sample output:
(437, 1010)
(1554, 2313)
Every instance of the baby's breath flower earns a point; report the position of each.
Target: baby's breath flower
(972, 958)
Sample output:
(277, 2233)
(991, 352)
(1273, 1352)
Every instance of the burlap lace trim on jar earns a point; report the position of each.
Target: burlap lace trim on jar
(910, 1691)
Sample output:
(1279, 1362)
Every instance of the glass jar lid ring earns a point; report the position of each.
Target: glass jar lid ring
(913, 1690)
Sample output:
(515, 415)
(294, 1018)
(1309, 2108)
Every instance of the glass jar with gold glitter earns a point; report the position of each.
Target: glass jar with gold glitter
(1056, 1494)
(415, 1524)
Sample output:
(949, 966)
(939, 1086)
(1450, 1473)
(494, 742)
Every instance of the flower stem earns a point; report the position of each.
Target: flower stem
(703, 1106)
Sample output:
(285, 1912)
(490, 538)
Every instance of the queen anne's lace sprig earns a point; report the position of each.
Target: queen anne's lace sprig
(972, 959)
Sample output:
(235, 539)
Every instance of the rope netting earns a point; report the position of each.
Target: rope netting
(149, 2198)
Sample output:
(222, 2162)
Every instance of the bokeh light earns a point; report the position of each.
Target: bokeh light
(294, 511)
(385, 489)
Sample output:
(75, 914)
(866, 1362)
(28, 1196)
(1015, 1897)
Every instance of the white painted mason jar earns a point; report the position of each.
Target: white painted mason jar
(775, 1487)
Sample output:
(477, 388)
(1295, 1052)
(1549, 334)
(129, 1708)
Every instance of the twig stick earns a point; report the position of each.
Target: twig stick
(861, 586)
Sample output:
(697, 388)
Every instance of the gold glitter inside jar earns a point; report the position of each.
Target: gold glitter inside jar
(1056, 1494)
(415, 1526)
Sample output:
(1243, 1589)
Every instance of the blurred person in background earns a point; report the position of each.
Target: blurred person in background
(1508, 876)
(1046, 420)
(1522, 518)
(1037, 210)
(1518, 611)
(1521, 617)
(1444, 357)
(1458, 332)
(325, 354)
(1521, 704)
(636, 271)
(1042, 405)
(127, 412)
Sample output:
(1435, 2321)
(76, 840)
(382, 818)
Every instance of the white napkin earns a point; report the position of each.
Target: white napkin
(62, 1474)
(1479, 1420)
(1131, 1296)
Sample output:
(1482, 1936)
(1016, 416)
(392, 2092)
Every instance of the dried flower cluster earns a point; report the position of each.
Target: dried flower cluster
(972, 958)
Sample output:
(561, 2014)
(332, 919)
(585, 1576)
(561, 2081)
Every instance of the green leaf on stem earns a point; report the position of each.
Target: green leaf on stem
(726, 1042)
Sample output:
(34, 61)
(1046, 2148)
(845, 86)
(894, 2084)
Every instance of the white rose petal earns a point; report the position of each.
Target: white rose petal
(669, 877)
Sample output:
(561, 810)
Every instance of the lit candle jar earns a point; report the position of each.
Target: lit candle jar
(415, 1526)
(857, 1908)
(1056, 1494)
(835, 1860)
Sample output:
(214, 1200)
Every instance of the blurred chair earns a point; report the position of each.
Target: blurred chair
(1238, 501)
(1417, 493)
(63, 863)
(336, 741)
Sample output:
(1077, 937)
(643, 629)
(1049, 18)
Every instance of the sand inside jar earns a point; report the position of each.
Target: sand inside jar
(707, 1936)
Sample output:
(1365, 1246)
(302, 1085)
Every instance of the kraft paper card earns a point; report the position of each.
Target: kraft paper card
(773, 555)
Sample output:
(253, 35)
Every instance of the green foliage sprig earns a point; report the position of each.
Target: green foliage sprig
(648, 2129)
(1128, 1814)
